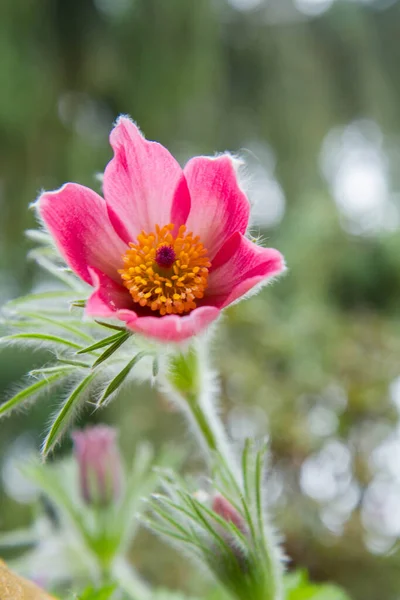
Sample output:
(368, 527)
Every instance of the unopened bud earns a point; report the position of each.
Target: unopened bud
(99, 461)
(224, 509)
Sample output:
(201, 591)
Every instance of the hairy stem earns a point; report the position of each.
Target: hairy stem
(192, 385)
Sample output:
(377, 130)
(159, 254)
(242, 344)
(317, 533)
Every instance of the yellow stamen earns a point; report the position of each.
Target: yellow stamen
(164, 272)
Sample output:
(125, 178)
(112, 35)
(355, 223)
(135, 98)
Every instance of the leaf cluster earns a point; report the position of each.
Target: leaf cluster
(86, 364)
(238, 557)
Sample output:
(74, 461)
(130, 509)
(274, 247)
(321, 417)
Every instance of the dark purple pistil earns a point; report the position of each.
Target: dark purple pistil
(165, 256)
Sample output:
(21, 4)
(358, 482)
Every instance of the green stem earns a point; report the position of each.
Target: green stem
(204, 427)
(194, 386)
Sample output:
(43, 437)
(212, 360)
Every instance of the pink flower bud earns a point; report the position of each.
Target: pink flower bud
(224, 509)
(99, 460)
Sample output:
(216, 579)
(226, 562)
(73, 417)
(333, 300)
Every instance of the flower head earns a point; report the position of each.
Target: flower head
(165, 250)
(99, 461)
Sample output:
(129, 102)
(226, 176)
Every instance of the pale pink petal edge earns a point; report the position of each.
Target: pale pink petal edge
(110, 300)
(247, 268)
(251, 286)
(171, 328)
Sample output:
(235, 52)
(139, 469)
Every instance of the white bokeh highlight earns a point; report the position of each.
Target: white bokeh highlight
(356, 168)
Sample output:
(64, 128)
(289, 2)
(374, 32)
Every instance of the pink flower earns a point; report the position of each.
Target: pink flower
(165, 250)
(99, 461)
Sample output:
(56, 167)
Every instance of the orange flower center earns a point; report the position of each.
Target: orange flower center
(164, 272)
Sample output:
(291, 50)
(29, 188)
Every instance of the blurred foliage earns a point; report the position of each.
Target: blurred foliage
(313, 360)
(299, 588)
(105, 593)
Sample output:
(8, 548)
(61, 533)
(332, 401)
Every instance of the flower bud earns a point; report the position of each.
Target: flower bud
(224, 509)
(99, 461)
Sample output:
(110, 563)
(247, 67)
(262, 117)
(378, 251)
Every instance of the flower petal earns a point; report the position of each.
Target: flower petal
(219, 207)
(143, 184)
(238, 267)
(108, 296)
(111, 300)
(78, 221)
(171, 328)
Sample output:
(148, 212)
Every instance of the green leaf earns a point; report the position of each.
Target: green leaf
(79, 303)
(39, 298)
(104, 342)
(111, 349)
(120, 378)
(30, 391)
(74, 363)
(58, 323)
(41, 337)
(110, 326)
(38, 236)
(50, 370)
(65, 414)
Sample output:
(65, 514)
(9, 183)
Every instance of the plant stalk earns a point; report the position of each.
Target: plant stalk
(192, 386)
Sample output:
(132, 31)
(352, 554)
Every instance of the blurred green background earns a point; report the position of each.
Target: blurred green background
(308, 92)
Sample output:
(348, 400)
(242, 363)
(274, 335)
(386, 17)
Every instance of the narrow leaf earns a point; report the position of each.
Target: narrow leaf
(43, 337)
(258, 484)
(109, 326)
(73, 363)
(38, 236)
(111, 349)
(101, 343)
(79, 303)
(40, 298)
(29, 392)
(50, 370)
(63, 324)
(64, 415)
(120, 378)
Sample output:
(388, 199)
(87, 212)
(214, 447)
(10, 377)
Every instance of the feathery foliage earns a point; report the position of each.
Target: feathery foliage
(86, 360)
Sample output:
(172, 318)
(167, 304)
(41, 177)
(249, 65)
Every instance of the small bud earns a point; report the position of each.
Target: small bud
(224, 509)
(100, 467)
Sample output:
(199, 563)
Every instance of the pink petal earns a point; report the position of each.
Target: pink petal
(108, 296)
(171, 328)
(247, 266)
(113, 301)
(219, 207)
(143, 184)
(78, 220)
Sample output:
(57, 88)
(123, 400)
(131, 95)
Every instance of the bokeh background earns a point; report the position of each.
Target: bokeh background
(308, 92)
